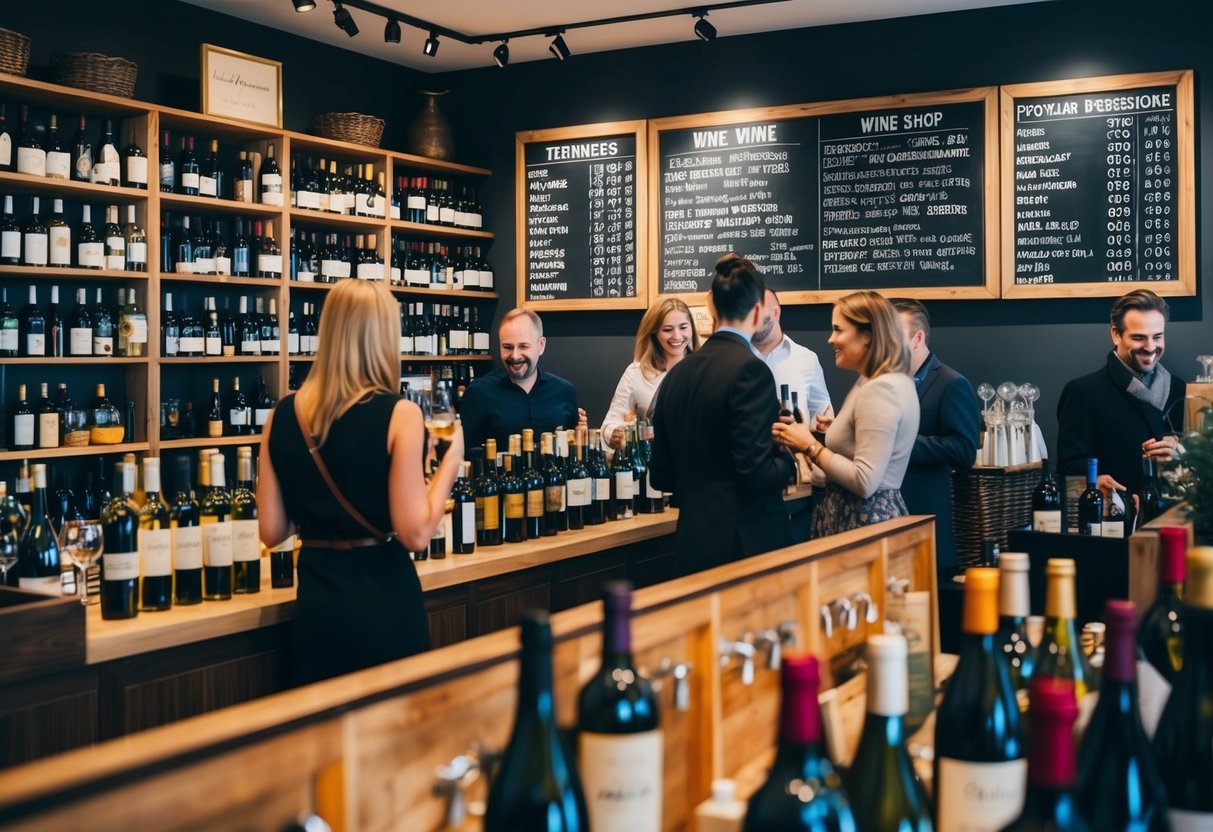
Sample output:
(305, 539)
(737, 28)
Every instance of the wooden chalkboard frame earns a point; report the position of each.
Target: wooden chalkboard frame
(1185, 173)
(988, 95)
(636, 128)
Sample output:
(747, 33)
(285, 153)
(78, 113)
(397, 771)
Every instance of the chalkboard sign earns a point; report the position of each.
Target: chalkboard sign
(582, 210)
(891, 193)
(1098, 186)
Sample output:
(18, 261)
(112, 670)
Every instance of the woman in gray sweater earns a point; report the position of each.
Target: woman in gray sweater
(867, 447)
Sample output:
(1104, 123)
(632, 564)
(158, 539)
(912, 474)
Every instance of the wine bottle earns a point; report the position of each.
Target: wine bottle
(214, 416)
(1161, 633)
(120, 557)
(38, 568)
(623, 481)
(980, 765)
(115, 241)
(90, 249)
(155, 542)
(619, 729)
(48, 432)
(242, 182)
(54, 327)
(135, 162)
(1119, 786)
(1150, 504)
(209, 173)
(1049, 804)
(1116, 520)
(10, 327)
(578, 485)
(80, 327)
(1060, 655)
(132, 327)
(1013, 610)
(136, 242)
(32, 326)
(786, 801)
(6, 142)
(246, 539)
(555, 512)
(463, 513)
(649, 500)
(58, 237)
(537, 787)
(884, 791)
(533, 483)
(488, 499)
(103, 328)
(187, 538)
(35, 238)
(240, 413)
(1090, 503)
(22, 424)
(215, 519)
(58, 160)
(269, 255)
(271, 179)
(31, 157)
(263, 406)
(600, 481)
(168, 168)
(10, 235)
(513, 489)
(107, 167)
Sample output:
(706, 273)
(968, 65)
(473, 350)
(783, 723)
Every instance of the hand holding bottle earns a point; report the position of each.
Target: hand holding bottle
(793, 435)
(1165, 448)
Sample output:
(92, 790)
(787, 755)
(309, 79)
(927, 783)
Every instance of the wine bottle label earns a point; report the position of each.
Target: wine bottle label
(456, 278)
(446, 216)
(36, 246)
(621, 778)
(107, 171)
(10, 245)
(271, 183)
(216, 542)
(269, 346)
(168, 173)
(480, 342)
(370, 271)
(261, 414)
(214, 345)
(305, 273)
(292, 343)
(307, 199)
(623, 485)
(187, 547)
(980, 796)
(48, 585)
(649, 491)
(415, 203)
(243, 190)
(1047, 521)
(378, 206)
(553, 498)
(471, 278)
(1185, 821)
(80, 341)
(1153, 690)
(136, 170)
(534, 503)
(417, 277)
(23, 430)
(458, 339)
(134, 330)
(461, 219)
(579, 492)
(602, 488)
(60, 240)
(396, 275)
(223, 265)
(467, 523)
(189, 180)
(6, 150)
(120, 566)
(48, 430)
(246, 540)
(31, 160)
(172, 345)
(431, 214)
(406, 344)
(476, 220)
(191, 345)
(10, 340)
(238, 416)
(156, 551)
(208, 186)
(35, 344)
(91, 255)
(488, 512)
(486, 280)
(250, 347)
(240, 262)
(137, 253)
(58, 165)
(515, 508)
(103, 344)
(1112, 528)
(1095, 530)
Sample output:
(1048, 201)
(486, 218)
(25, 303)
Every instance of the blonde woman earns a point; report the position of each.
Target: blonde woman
(360, 502)
(667, 334)
(868, 445)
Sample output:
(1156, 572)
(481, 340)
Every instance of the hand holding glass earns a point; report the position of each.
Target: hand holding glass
(82, 542)
(439, 414)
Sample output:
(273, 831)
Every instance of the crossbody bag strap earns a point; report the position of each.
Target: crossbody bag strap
(314, 453)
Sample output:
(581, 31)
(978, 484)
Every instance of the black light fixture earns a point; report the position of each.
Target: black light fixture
(431, 45)
(703, 30)
(304, 5)
(558, 47)
(344, 20)
(502, 54)
(391, 31)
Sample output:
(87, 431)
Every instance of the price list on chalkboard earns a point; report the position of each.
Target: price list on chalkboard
(580, 217)
(1096, 188)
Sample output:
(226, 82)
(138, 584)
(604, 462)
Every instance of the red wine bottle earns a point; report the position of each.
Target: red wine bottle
(1161, 631)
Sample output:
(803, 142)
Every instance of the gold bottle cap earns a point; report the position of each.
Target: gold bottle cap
(1198, 590)
(1059, 588)
(981, 600)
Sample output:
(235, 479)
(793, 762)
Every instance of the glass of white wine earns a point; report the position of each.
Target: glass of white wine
(82, 542)
(439, 414)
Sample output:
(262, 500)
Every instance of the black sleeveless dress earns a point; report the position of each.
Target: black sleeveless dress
(355, 607)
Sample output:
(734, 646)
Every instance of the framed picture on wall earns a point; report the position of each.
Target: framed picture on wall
(240, 86)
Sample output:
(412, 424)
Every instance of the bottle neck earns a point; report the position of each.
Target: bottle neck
(535, 700)
(616, 634)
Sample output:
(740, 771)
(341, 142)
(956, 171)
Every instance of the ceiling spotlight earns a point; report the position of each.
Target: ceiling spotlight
(344, 20)
(304, 5)
(502, 54)
(431, 45)
(558, 47)
(703, 30)
(391, 32)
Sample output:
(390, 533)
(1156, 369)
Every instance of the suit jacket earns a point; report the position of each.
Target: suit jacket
(948, 430)
(712, 447)
(1096, 417)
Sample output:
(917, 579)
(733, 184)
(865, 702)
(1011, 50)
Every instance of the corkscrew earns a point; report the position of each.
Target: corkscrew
(743, 649)
(680, 672)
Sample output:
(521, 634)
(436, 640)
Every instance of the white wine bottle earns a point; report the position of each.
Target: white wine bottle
(155, 543)
(246, 539)
(187, 538)
(216, 535)
(120, 557)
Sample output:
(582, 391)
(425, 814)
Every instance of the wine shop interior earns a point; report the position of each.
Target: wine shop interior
(1024, 641)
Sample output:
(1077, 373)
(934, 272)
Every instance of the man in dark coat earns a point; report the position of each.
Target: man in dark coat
(712, 443)
(1128, 409)
(949, 427)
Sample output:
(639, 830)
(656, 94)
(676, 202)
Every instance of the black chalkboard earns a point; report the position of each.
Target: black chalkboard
(1095, 186)
(886, 194)
(580, 218)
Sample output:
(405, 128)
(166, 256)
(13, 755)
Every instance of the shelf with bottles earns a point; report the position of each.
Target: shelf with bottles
(210, 205)
(67, 453)
(437, 267)
(56, 273)
(57, 235)
(346, 183)
(62, 331)
(231, 249)
(425, 229)
(421, 205)
(215, 402)
(250, 334)
(218, 166)
(76, 359)
(67, 410)
(13, 182)
(454, 294)
(301, 217)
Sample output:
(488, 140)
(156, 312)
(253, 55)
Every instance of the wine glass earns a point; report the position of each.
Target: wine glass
(986, 393)
(439, 414)
(8, 554)
(1007, 391)
(1206, 361)
(82, 542)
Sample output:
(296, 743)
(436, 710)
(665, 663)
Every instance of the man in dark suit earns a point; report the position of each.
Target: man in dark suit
(1128, 409)
(712, 442)
(948, 430)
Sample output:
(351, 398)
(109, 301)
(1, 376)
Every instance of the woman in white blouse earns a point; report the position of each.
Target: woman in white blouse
(667, 335)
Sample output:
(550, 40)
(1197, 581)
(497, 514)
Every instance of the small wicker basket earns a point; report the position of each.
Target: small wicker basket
(14, 52)
(96, 73)
(350, 127)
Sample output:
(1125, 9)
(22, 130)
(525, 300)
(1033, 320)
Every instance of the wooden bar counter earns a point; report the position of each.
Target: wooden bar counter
(361, 750)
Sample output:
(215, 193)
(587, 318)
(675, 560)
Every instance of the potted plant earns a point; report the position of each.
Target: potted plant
(1192, 474)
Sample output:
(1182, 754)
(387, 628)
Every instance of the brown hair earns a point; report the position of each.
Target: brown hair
(520, 312)
(1143, 300)
(918, 314)
(869, 312)
(737, 287)
(649, 353)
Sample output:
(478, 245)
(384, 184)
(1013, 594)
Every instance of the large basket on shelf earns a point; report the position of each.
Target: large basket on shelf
(350, 127)
(14, 52)
(96, 73)
(989, 502)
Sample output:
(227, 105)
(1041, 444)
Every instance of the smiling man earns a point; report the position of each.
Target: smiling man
(1128, 409)
(518, 395)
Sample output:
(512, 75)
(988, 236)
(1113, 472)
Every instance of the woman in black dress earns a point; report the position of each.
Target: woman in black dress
(359, 599)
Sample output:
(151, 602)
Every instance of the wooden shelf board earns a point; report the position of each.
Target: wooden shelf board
(41, 92)
(87, 191)
(86, 450)
(211, 205)
(208, 441)
(53, 272)
(464, 294)
(327, 218)
(228, 280)
(429, 230)
(221, 359)
(77, 359)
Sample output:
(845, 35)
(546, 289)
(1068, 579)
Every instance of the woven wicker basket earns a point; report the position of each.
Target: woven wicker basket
(350, 127)
(14, 52)
(989, 502)
(96, 73)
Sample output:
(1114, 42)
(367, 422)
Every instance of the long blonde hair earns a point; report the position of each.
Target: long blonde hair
(888, 351)
(358, 352)
(648, 352)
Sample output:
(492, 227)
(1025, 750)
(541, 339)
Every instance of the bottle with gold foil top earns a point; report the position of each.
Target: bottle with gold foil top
(1060, 655)
(533, 480)
(1014, 596)
(488, 499)
(513, 491)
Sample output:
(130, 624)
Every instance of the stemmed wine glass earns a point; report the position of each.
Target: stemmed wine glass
(986, 393)
(439, 414)
(8, 554)
(82, 542)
